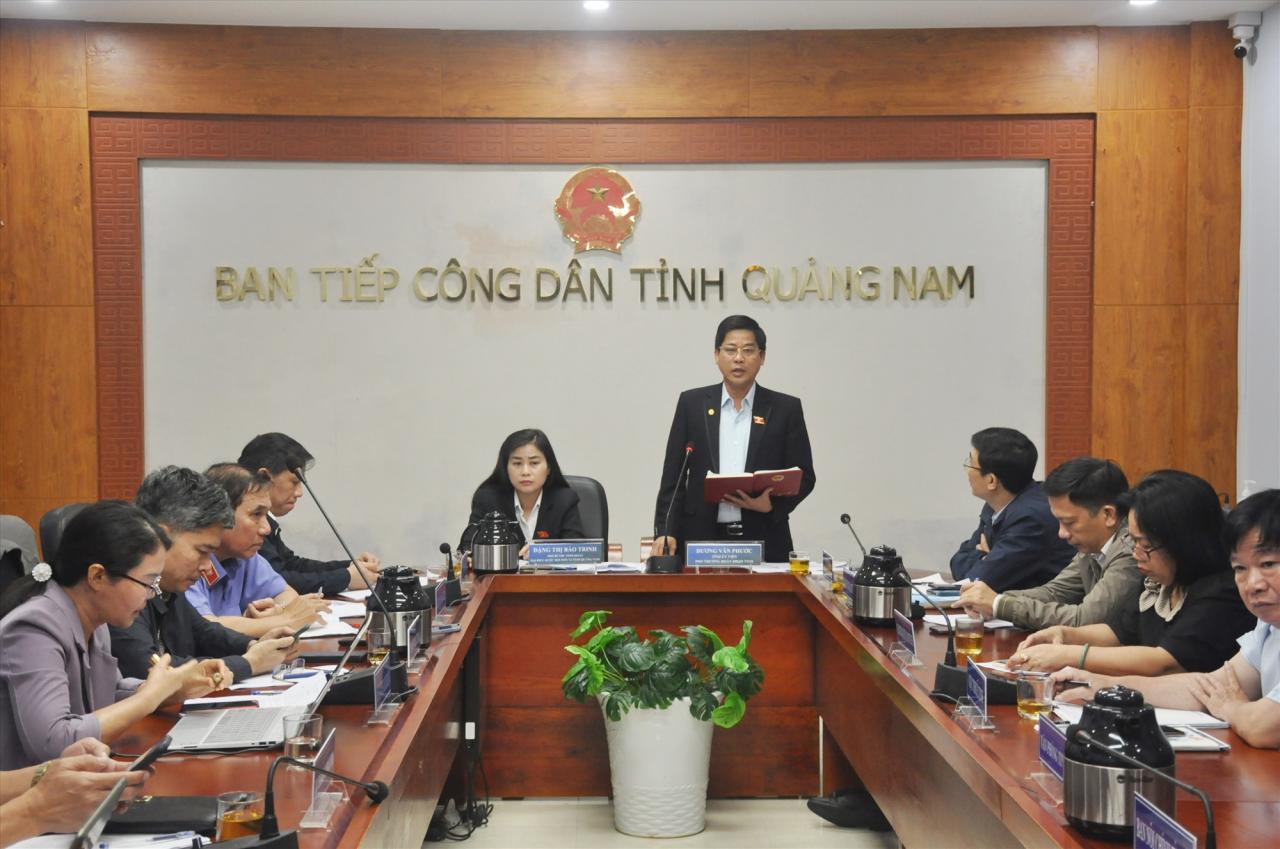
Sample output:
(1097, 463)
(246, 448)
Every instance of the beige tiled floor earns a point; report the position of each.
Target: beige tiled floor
(731, 824)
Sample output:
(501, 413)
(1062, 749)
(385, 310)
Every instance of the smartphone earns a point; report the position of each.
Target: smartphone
(447, 628)
(153, 754)
(297, 635)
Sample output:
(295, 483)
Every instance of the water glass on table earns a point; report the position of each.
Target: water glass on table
(799, 563)
(239, 814)
(969, 631)
(1034, 694)
(302, 735)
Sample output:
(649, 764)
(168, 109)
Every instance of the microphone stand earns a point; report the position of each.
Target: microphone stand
(670, 563)
(373, 594)
(1210, 837)
(376, 791)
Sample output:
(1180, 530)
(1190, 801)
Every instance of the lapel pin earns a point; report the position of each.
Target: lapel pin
(711, 411)
(758, 419)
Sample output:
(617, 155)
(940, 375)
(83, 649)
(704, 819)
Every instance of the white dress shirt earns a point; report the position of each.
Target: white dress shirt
(527, 525)
(735, 433)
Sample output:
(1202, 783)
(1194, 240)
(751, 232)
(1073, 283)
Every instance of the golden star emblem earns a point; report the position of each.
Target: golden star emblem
(598, 192)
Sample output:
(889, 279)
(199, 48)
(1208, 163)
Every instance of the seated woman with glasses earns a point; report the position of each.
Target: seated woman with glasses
(58, 680)
(528, 487)
(1189, 613)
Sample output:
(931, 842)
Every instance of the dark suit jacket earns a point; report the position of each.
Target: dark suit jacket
(779, 440)
(305, 575)
(1025, 548)
(170, 624)
(558, 517)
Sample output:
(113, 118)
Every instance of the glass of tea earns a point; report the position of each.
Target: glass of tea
(1034, 694)
(239, 814)
(302, 735)
(968, 635)
(799, 563)
(379, 641)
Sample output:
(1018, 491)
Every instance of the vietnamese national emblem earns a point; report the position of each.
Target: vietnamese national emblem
(597, 210)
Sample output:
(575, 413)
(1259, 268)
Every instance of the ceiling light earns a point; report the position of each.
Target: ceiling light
(1142, 2)
(595, 5)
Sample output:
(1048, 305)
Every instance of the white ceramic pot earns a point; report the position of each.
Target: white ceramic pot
(658, 762)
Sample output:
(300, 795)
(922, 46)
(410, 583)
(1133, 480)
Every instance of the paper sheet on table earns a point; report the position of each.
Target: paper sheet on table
(332, 626)
(815, 567)
(1164, 716)
(263, 680)
(347, 609)
(112, 841)
(303, 692)
(990, 624)
(935, 578)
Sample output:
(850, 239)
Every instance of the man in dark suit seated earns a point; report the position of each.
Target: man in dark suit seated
(1016, 544)
(194, 511)
(734, 426)
(276, 455)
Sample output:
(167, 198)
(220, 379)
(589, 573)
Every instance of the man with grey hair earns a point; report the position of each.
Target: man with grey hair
(194, 511)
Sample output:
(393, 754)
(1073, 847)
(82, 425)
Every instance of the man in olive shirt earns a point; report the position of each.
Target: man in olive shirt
(1086, 497)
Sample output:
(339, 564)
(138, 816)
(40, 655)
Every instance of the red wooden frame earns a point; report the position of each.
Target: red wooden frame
(118, 142)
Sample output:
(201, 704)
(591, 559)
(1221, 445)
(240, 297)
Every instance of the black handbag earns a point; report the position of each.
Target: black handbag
(166, 814)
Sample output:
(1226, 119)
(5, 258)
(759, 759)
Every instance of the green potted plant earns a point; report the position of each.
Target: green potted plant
(662, 695)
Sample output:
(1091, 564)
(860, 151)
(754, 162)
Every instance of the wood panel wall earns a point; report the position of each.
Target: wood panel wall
(1167, 250)
(1168, 102)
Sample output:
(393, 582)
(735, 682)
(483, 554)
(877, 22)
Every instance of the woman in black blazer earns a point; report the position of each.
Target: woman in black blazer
(528, 487)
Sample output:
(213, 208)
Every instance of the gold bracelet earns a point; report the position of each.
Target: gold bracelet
(1083, 654)
(39, 773)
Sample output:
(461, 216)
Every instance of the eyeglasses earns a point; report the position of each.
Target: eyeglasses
(732, 351)
(153, 589)
(969, 465)
(1144, 545)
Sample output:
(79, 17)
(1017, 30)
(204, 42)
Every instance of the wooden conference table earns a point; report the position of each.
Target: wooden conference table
(937, 783)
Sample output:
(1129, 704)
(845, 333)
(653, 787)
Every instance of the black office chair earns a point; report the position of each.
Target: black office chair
(593, 505)
(52, 524)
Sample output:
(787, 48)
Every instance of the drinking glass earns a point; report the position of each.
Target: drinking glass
(239, 814)
(1034, 694)
(799, 563)
(302, 735)
(968, 635)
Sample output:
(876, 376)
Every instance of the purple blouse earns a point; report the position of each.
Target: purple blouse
(51, 681)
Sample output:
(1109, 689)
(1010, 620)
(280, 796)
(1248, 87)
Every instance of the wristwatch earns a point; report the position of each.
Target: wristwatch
(40, 771)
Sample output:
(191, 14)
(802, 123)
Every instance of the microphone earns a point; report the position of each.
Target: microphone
(447, 551)
(1210, 837)
(373, 594)
(844, 517)
(670, 563)
(376, 790)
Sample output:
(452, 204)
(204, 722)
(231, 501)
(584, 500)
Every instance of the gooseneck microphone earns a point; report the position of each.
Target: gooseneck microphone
(670, 563)
(372, 592)
(447, 551)
(376, 791)
(950, 658)
(1210, 837)
(844, 517)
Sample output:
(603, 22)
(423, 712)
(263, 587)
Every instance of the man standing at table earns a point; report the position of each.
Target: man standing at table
(733, 427)
(1016, 544)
